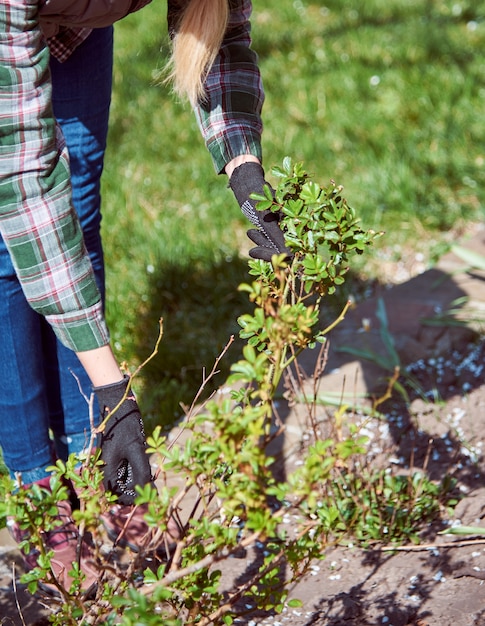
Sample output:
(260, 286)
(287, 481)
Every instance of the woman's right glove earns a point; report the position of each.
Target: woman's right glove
(123, 442)
(245, 180)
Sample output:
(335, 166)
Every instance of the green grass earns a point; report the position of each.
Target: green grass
(386, 98)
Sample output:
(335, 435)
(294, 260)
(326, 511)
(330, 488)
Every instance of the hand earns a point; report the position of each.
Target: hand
(245, 180)
(123, 443)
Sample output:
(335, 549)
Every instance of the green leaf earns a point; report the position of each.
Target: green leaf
(386, 336)
(464, 530)
(310, 192)
(474, 259)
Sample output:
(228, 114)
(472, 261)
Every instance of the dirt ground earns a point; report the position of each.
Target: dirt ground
(440, 582)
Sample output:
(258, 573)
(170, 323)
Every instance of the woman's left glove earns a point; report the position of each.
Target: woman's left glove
(245, 180)
(123, 442)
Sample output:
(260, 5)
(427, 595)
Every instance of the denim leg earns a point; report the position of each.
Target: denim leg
(24, 435)
(81, 101)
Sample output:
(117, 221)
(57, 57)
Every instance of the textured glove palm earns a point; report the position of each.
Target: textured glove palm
(247, 179)
(123, 443)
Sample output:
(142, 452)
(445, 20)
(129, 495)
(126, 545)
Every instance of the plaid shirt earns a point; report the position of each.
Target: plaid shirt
(230, 117)
(37, 220)
(67, 39)
(62, 45)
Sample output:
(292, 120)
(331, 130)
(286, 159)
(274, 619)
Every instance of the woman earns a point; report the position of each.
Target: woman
(213, 66)
(46, 273)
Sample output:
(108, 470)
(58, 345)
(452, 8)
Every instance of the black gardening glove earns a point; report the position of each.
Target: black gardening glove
(123, 443)
(245, 180)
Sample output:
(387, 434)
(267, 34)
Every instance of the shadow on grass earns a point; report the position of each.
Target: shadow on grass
(200, 304)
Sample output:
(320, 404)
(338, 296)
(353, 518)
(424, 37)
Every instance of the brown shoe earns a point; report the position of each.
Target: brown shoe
(126, 527)
(63, 541)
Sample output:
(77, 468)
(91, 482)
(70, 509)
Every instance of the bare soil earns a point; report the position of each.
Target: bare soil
(439, 582)
(440, 429)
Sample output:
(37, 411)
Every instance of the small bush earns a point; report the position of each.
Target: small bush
(228, 499)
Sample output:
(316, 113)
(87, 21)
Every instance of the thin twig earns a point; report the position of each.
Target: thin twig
(190, 412)
(17, 603)
(204, 563)
(102, 426)
(339, 319)
(388, 393)
(228, 606)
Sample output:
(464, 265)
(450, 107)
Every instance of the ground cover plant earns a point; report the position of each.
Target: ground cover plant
(381, 96)
(235, 499)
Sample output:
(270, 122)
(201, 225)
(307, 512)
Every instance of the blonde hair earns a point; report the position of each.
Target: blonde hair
(196, 42)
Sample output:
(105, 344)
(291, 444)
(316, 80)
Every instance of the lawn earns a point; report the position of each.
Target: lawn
(386, 98)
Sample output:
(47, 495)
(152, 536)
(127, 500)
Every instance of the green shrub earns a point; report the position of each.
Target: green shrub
(221, 460)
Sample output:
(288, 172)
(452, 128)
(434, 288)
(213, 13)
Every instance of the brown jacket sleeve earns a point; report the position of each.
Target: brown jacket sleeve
(84, 13)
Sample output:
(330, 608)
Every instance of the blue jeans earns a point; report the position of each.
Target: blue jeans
(40, 378)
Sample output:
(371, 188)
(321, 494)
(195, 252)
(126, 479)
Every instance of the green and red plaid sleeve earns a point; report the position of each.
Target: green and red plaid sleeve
(63, 44)
(37, 220)
(230, 117)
